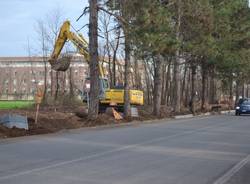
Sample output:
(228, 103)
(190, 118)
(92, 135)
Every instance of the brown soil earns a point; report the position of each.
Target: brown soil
(52, 120)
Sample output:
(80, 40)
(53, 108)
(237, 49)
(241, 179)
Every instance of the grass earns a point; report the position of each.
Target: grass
(15, 104)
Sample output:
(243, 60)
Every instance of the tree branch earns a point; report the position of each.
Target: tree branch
(85, 11)
(119, 18)
(82, 27)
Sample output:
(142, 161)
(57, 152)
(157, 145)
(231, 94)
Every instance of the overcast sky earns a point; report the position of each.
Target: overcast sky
(18, 19)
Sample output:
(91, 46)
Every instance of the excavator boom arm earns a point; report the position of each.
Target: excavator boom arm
(79, 42)
(60, 42)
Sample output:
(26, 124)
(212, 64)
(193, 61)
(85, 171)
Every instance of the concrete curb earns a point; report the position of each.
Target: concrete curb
(192, 115)
(184, 116)
(228, 112)
(203, 114)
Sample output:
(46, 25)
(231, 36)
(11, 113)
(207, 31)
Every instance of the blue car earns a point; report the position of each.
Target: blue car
(243, 107)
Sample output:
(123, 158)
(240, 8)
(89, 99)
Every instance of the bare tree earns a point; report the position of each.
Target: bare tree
(54, 20)
(115, 48)
(43, 45)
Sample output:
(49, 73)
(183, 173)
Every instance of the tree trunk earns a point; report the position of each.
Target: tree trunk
(157, 86)
(203, 91)
(231, 92)
(127, 113)
(71, 83)
(237, 93)
(51, 83)
(148, 85)
(163, 99)
(167, 88)
(183, 84)
(94, 69)
(243, 90)
(177, 81)
(187, 96)
(137, 75)
(45, 80)
(177, 72)
(114, 58)
(57, 86)
(193, 73)
(110, 72)
(212, 95)
(247, 90)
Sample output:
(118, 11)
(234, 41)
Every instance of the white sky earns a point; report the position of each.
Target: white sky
(18, 19)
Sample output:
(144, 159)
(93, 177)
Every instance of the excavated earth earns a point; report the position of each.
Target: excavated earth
(53, 120)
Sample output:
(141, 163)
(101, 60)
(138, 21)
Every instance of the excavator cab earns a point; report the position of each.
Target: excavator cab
(104, 86)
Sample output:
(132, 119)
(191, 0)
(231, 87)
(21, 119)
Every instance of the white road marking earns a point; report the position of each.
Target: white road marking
(104, 153)
(226, 177)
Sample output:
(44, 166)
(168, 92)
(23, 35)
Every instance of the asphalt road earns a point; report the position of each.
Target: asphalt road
(190, 151)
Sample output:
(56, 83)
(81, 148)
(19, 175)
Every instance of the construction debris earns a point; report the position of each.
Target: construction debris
(134, 112)
(14, 121)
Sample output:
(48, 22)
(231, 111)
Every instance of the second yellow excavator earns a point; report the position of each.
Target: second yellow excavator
(107, 97)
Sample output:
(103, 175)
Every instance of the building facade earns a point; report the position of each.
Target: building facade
(19, 77)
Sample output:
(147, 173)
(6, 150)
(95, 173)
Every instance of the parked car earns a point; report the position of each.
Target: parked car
(243, 107)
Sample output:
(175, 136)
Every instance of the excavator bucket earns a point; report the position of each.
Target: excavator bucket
(61, 64)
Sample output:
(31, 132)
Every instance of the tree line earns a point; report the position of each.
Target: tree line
(186, 51)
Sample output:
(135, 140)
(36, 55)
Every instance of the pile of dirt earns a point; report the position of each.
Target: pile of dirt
(103, 119)
(145, 113)
(51, 120)
(11, 132)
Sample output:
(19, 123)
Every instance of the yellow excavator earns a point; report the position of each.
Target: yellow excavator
(107, 97)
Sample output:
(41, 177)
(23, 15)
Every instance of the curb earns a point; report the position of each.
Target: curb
(193, 116)
(228, 112)
(184, 116)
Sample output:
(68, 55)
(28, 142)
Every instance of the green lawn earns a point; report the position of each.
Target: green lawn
(15, 104)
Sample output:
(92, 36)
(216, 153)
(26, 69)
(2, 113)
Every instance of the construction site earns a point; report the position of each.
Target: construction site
(125, 91)
(56, 87)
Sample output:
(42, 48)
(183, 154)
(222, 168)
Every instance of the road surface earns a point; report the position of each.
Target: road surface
(200, 150)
